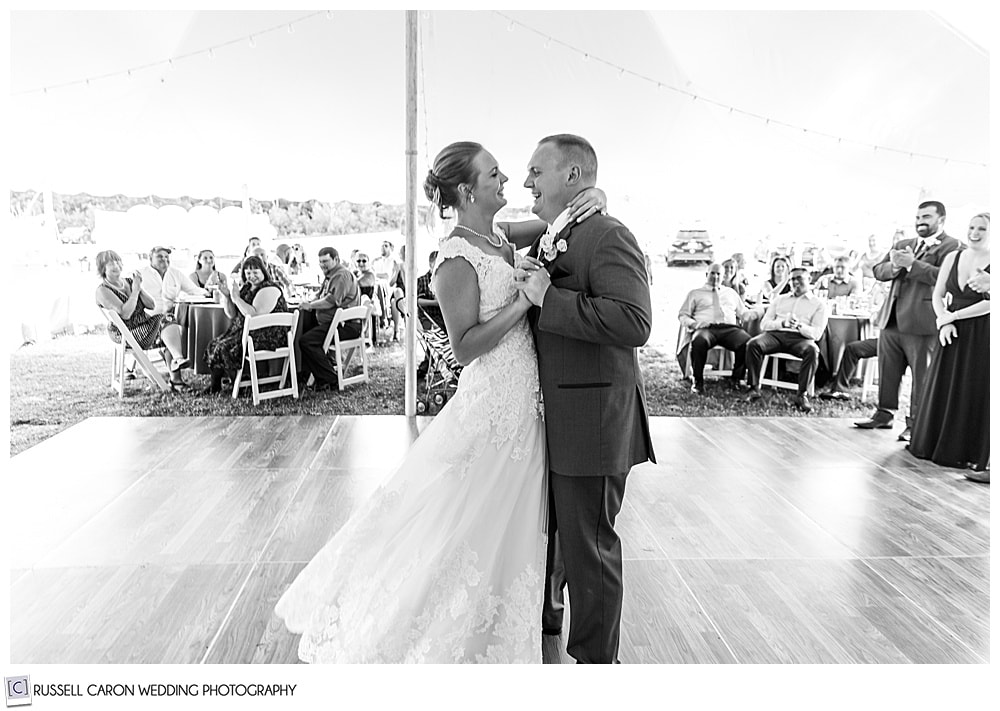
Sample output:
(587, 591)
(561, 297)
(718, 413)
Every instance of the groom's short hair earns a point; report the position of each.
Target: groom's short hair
(578, 150)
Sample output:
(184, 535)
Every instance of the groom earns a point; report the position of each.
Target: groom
(594, 312)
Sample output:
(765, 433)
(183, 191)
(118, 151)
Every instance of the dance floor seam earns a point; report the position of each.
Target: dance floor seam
(753, 540)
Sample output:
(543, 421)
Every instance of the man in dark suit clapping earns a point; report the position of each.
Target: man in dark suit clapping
(908, 333)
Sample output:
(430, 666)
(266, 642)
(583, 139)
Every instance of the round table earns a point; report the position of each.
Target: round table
(201, 321)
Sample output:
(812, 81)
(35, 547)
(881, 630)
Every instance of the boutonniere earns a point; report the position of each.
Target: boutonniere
(550, 248)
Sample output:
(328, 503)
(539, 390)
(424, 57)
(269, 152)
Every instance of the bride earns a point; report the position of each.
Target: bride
(446, 561)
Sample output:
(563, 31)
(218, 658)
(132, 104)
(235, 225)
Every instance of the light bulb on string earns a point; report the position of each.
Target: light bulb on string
(211, 53)
(510, 26)
(329, 14)
(291, 30)
(548, 43)
(621, 73)
(253, 42)
(171, 63)
(586, 57)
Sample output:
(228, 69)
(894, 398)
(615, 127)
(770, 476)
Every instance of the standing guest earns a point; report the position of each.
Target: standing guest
(258, 295)
(297, 261)
(128, 299)
(284, 253)
(204, 274)
(711, 314)
(908, 334)
(384, 267)
(840, 282)
(953, 426)
(339, 291)
(869, 259)
(252, 244)
(165, 283)
(426, 299)
(792, 324)
(777, 283)
(741, 277)
(352, 263)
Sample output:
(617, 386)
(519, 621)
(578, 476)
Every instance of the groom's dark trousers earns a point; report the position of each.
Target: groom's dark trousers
(585, 552)
(594, 316)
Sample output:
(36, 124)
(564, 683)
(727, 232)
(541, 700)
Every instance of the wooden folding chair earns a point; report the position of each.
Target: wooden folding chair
(129, 348)
(343, 351)
(773, 379)
(252, 356)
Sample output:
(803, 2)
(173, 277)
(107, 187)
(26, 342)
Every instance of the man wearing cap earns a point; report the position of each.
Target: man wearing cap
(164, 282)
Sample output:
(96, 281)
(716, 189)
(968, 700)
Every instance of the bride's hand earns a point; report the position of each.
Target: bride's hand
(587, 203)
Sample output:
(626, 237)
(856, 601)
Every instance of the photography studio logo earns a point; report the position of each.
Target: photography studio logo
(18, 690)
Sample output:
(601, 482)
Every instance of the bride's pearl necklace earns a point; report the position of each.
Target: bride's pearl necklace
(498, 244)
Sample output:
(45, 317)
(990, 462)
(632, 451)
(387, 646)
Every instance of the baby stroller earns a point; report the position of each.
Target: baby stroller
(443, 370)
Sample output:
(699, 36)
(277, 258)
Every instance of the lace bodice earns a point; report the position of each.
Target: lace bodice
(497, 389)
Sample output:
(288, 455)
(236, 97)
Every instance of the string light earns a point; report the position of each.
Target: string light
(211, 52)
(253, 43)
(585, 56)
(329, 14)
(171, 63)
(291, 30)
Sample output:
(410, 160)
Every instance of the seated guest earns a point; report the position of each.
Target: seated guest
(792, 324)
(777, 282)
(367, 283)
(733, 279)
(258, 295)
(204, 274)
(710, 313)
(821, 265)
(840, 283)
(339, 291)
(165, 283)
(127, 298)
(841, 382)
(284, 253)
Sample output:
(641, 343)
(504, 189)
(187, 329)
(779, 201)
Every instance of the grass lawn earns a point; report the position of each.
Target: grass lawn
(55, 384)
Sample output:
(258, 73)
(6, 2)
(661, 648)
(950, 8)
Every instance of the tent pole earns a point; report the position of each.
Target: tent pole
(410, 271)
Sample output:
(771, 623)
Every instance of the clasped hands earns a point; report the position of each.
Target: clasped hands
(532, 280)
(902, 258)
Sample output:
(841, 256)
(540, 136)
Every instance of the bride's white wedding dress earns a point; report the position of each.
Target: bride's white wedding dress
(446, 561)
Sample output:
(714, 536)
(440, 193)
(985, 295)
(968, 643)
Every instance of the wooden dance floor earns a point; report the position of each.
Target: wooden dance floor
(802, 540)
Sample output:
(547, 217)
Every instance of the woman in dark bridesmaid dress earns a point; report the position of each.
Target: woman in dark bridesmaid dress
(953, 427)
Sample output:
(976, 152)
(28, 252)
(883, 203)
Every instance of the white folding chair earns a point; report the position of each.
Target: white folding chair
(252, 356)
(868, 384)
(343, 350)
(129, 348)
(773, 381)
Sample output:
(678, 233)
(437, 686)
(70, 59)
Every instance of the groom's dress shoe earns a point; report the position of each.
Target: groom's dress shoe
(874, 424)
(904, 436)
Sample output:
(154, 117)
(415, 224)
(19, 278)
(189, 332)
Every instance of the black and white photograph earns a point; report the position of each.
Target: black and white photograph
(481, 336)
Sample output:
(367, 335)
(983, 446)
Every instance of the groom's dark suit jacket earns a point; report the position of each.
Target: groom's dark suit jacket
(595, 315)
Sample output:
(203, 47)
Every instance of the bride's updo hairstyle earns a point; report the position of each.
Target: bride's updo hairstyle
(452, 167)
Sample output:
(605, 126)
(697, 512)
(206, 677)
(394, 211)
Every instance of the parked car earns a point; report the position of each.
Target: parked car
(691, 246)
(809, 250)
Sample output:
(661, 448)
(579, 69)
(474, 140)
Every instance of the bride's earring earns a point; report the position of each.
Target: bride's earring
(472, 197)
